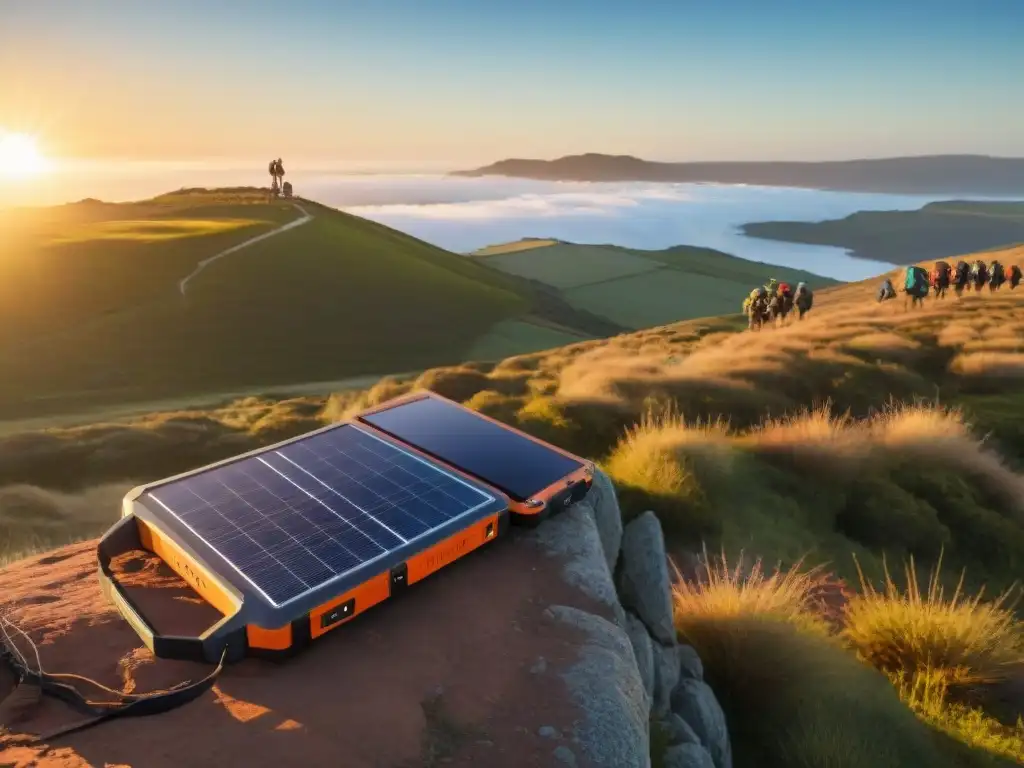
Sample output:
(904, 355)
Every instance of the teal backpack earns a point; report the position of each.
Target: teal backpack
(916, 279)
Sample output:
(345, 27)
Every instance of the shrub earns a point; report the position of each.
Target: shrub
(455, 383)
(907, 630)
(496, 405)
(744, 590)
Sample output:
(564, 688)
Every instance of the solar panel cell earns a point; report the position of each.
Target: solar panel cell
(295, 518)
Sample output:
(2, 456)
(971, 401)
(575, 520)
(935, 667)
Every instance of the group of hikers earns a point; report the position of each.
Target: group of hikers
(772, 303)
(278, 185)
(918, 282)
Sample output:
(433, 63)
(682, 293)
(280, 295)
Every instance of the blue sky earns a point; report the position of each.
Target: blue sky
(461, 83)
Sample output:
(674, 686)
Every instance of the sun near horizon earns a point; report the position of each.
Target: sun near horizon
(21, 157)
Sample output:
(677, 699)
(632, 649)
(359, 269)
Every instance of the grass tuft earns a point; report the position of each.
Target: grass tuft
(963, 639)
(721, 591)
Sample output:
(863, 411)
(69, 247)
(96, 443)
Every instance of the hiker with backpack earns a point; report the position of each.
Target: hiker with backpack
(1014, 276)
(940, 279)
(996, 275)
(979, 274)
(803, 300)
(756, 308)
(887, 291)
(916, 286)
(780, 305)
(961, 278)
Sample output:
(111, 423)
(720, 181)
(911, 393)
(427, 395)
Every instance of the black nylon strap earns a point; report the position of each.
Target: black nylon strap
(125, 705)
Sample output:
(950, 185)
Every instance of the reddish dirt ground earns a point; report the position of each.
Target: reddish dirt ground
(441, 676)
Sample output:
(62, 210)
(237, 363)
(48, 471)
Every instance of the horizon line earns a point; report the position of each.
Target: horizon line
(428, 166)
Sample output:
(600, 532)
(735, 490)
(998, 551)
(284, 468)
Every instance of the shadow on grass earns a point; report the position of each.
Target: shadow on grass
(796, 700)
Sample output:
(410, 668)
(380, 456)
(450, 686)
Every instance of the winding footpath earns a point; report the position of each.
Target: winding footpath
(304, 219)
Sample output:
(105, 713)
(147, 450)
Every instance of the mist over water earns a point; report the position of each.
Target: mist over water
(463, 214)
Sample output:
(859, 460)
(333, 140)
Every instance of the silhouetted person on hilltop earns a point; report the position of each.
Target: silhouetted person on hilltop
(276, 169)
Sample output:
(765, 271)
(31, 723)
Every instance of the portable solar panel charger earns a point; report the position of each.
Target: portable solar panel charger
(291, 541)
(538, 478)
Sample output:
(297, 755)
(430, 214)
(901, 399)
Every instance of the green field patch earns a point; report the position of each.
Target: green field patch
(712, 263)
(565, 265)
(334, 298)
(153, 230)
(657, 298)
(517, 337)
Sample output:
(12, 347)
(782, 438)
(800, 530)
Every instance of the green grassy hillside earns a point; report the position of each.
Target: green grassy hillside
(861, 437)
(91, 312)
(635, 288)
(936, 231)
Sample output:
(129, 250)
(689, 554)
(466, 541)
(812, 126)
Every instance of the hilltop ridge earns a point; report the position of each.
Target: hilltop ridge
(929, 174)
(91, 310)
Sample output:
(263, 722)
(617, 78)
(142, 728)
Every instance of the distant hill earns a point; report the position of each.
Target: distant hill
(935, 174)
(938, 230)
(636, 288)
(91, 313)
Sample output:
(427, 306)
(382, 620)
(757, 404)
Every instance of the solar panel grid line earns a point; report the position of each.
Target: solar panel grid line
(321, 502)
(286, 533)
(347, 499)
(242, 530)
(330, 489)
(284, 563)
(317, 527)
(235, 567)
(406, 489)
(430, 466)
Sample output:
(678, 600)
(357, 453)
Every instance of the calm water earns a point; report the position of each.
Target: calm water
(465, 214)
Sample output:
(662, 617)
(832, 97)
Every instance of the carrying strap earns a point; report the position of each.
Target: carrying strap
(33, 684)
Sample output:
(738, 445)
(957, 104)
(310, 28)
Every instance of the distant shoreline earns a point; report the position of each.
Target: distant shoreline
(952, 175)
(935, 231)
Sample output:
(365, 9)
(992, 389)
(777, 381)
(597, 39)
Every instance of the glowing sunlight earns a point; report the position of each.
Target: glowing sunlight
(20, 156)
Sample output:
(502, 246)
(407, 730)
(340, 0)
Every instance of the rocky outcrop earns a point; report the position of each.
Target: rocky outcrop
(554, 648)
(633, 671)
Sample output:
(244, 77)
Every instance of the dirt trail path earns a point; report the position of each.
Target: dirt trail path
(304, 219)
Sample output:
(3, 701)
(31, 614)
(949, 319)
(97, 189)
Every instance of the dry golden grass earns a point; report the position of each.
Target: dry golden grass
(1003, 365)
(957, 334)
(886, 345)
(908, 630)
(514, 247)
(154, 230)
(660, 454)
(34, 519)
(722, 591)
(933, 435)
(998, 344)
